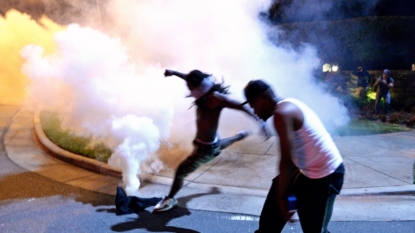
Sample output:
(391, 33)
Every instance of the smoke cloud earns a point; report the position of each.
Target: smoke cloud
(16, 31)
(109, 82)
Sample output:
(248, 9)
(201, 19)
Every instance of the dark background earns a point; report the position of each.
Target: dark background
(376, 34)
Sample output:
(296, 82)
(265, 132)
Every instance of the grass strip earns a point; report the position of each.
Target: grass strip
(368, 127)
(68, 141)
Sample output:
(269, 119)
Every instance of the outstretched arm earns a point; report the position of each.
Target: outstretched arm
(222, 100)
(176, 73)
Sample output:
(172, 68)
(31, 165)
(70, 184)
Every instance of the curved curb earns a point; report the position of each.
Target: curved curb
(80, 161)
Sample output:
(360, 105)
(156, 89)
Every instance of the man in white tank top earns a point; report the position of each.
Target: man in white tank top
(311, 169)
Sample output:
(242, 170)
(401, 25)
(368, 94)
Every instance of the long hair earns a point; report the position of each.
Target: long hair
(219, 87)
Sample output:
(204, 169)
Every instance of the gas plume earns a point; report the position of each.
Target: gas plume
(110, 84)
(16, 31)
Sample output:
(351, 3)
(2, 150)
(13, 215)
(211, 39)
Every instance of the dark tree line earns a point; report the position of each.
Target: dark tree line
(290, 11)
(377, 34)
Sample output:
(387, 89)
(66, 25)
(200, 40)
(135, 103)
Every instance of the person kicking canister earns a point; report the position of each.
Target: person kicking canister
(211, 99)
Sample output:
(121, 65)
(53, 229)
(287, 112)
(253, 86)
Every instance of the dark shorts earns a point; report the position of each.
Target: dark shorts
(200, 155)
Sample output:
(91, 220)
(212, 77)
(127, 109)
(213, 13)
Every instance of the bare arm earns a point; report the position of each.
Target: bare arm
(390, 85)
(176, 73)
(376, 84)
(222, 100)
(284, 125)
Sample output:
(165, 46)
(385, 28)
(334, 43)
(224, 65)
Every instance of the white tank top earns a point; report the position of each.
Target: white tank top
(313, 149)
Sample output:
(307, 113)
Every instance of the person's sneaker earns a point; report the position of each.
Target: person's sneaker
(165, 204)
(243, 134)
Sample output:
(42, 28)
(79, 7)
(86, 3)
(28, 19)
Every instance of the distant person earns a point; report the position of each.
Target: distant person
(211, 99)
(311, 168)
(363, 79)
(382, 86)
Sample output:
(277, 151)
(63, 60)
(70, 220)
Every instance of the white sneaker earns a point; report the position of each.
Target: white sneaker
(165, 204)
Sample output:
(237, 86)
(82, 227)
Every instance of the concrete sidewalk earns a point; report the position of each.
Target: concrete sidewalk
(238, 180)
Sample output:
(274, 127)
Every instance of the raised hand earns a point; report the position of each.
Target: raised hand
(168, 73)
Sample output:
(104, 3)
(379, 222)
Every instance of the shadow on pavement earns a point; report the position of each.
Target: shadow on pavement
(158, 222)
(154, 222)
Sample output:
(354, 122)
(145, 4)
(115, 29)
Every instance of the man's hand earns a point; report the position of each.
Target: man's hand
(168, 73)
(283, 204)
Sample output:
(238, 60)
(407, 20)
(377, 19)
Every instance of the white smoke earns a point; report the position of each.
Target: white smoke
(112, 87)
(93, 84)
(225, 38)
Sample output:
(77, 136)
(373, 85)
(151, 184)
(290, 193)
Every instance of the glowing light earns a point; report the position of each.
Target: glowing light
(326, 67)
(330, 67)
(16, 31)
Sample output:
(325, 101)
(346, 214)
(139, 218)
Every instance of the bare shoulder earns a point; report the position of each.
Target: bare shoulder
(289, 112)
(220, 98)
(284, 108)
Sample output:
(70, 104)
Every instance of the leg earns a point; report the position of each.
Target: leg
(315, 200)
(329, 212)
(270, 219)
(311, 203)
(361, 92)
(377, 103)
(189, 165)
(224, 143)
(387, 99)
(176, 186)
(336, 184)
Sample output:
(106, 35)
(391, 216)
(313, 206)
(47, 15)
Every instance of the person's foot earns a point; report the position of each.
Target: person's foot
(165, 204)
(242, 134)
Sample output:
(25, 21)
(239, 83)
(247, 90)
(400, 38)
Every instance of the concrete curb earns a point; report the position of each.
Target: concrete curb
(102, 168)
(391, 190)
(77, 160)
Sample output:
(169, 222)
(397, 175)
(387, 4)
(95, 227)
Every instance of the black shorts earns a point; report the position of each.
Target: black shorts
(201, 154)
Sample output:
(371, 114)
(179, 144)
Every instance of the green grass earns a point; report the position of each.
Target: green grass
(367, 127)
(70, 142)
